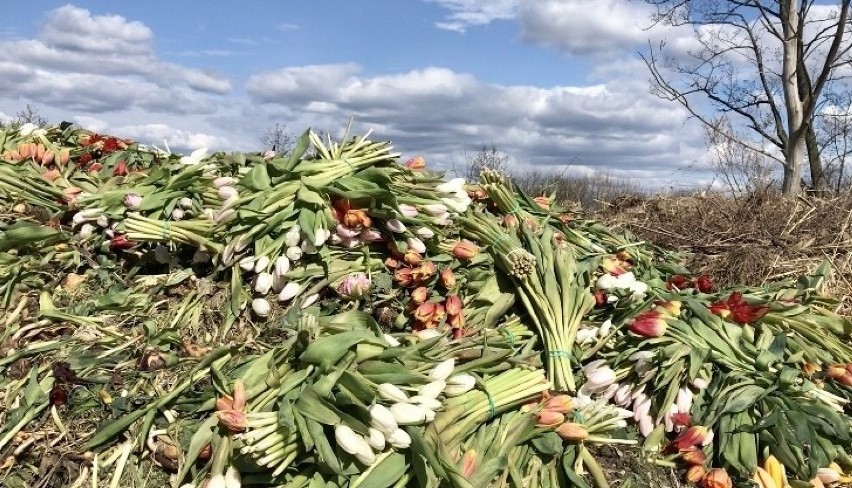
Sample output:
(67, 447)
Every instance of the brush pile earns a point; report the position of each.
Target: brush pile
(333, 318)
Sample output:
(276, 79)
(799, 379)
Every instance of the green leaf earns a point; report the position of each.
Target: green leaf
(384, 473)
(305, 194)
(314, 407)
(325, 453)
(202, 438)
(257, 178)
(302, 144)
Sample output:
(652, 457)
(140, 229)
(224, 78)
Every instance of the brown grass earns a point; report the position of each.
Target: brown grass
(748, 241)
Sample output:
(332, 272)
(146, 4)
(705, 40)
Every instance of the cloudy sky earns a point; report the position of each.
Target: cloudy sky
(552, 83)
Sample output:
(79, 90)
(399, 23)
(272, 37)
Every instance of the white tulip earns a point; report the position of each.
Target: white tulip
(376, 439)
(408, 414)
(426, 402)
(185, 203)
(233, 478)
(224, 181)
(625, 280)
(443, 370)
(320, 236)
(261, 264)
(27, 129)
(294, 253)
(646, 425)
(425, 233)
(432, 389)
(399, 439)
(416, 245)
(394, 225)
(366, 456)
(622, 395)
(700, 383)
(451, 186)
(178, 214)
(427, 334)
(195, 157)
(293, 236)
(289, 291)
(408, 210)
(263, 283)
(349, 440)
(435, 209)
(310, 300)
(392, 393)
(226, 192)
(445, 218)
(459, 384)
(391, 340)
(430, 414)
(606, 282)
(585, 336)
(87, 230)
(667, 420)
(261, 307)
(599, 379)
(247, 263)
(382, 419)
(217, 481)
(225, 216)
(103, 221)
(282, 265)
(455, 205)
(605, 328)
(684, 400)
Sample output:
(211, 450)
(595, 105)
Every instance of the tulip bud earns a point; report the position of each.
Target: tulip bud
(293, 236)
(425, 233)
(226, 192)
(408, 414)
(717, 478)
(261, 307)
(232, 420)
(391, 340)
(223, 181)
(599, 379)
(416, 163)
(178, 214)
(392, 393)
(282, 265)
(451, 186)
(132, 201)
(261, 264)
(430, 414)
(432, 389)
(549, 418)
(828, 476)
(572, 432)
(87, 230)
(695, 474)
(294, 253)
(694, 456)
(443, 370)
(448, 278)
(649, 324)
(349, 440)
(354, 286)
(382, 418)
(684, 400)
(399, 439)
(700, 383)
(468, 463)
(247, 263)
(420, 295)
(394, 225)
(225, 216)
(691, 437)
(465, 250)
(320, 236)
(459, 384)
(606, 282)
(233, 478)
(426, 402)
(408, 210)
(559, 403)
(263, 283)
(376, 439)
(416, 245)
(217, 481)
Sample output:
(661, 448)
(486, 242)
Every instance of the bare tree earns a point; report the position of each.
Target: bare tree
(278, 139)
(833, 130)
(742, 171)
(485, 158)
(764, 63)
(29, 115)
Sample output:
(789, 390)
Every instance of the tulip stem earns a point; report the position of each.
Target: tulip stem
(594, 468)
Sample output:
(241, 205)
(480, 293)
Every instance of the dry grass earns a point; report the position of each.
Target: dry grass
(748, 241)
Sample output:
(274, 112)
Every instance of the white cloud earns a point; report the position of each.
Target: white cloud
(439, 112)
(467, 13)
(98, 63)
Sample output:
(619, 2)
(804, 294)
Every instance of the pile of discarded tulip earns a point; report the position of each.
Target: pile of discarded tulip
(331, 317)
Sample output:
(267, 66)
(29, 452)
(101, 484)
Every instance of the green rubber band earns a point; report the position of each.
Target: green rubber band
(498, 239)
(559, 354)
(578, 417)
(166, 225)
(511, 337)
(492, 409)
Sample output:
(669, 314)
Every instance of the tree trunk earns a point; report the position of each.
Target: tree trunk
(812, 147)
(794, 148)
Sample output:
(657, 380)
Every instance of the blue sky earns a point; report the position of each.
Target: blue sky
(552, 83)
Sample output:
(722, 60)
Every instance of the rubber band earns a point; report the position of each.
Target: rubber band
(166, 225)
(578, 417)
(492, 409)
(499, 238)
(557, 353)
(511, 337)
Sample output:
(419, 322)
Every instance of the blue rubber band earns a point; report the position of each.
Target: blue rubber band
(511, 337)
(559, 354)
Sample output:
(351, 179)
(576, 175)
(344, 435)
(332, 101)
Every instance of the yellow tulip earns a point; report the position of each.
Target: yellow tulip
(764, 479)
(776, 471)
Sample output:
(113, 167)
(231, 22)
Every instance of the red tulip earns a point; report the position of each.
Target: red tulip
(649, 324)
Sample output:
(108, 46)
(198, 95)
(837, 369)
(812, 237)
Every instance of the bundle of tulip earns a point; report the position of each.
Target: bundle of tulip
(329, 317)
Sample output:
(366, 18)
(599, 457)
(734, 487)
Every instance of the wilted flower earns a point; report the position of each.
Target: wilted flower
(469, 462)
(232, 420)
(704, 284)
(717, 478)
(691, 437)
(465, 250)
(404, 277)
(694, 457)
(423, 272)
(543, 202)
(448, 278)
(559, 403)
(549, 418)
(121, 242)
(416, 163)
(354, 286)
(420, 295)
(677, 282)
(572, 432)
(453, 305)
(613, 265)
(695, 474)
